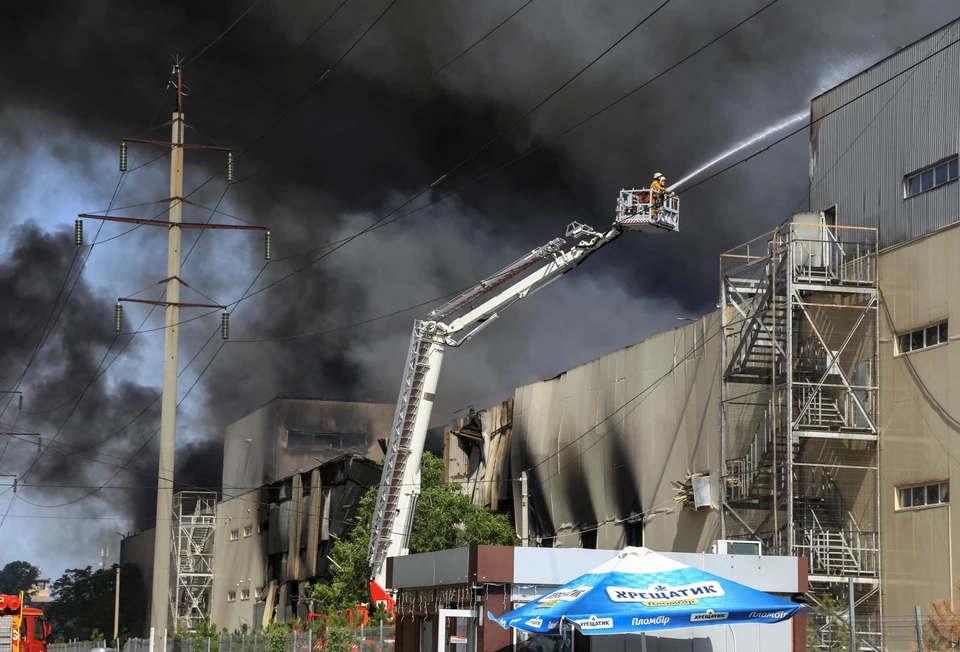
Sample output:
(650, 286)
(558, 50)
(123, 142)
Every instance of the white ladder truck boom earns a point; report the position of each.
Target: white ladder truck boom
(637, 210)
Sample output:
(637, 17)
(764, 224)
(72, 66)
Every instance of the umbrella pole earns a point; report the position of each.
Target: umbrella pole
(734, 635)
(643, 642)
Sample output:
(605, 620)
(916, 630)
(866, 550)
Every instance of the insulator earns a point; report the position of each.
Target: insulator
(118, 318)
(78, 232)
(14, 486)
(123, 157)
(20, 403)
(229, 167)
(268, 246)
(225, 325)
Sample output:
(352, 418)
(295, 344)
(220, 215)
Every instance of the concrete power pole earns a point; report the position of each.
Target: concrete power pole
(159, 601)
(161, 595)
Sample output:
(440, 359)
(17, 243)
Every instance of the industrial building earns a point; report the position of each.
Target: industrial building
(820, 399)
(294, 471)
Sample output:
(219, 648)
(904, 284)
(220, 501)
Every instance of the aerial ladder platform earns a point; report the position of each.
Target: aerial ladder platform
(642, 210)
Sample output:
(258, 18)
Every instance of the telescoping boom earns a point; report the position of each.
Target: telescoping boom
(637, 210)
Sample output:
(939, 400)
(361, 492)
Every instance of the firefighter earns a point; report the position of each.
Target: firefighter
(659, 190)
(659, 183)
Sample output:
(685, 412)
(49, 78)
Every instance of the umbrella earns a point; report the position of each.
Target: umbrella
(641, 591)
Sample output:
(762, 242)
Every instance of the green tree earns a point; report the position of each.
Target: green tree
(18, 576)
(445, 519)
(83, 602)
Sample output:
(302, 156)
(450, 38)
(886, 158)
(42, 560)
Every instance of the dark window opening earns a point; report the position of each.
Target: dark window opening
(588, 539)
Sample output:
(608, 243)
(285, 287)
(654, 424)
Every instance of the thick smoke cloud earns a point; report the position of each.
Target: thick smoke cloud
(80, 76)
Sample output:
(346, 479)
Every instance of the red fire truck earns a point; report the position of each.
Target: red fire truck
(22, 628)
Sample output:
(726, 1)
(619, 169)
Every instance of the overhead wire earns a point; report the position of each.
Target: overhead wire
(222, 34)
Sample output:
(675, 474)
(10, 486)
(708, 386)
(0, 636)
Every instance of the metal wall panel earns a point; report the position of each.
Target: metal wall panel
(602, 443)
(258, 450)
(861, 154)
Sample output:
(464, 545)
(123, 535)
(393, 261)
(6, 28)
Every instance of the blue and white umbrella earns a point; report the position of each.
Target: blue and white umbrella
(641, 591)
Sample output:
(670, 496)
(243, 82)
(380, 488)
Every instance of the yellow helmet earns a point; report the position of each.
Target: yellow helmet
(657, 175)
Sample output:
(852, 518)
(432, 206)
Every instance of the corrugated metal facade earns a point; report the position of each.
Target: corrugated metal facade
(860, 155)
(604, 441)
(288, 434)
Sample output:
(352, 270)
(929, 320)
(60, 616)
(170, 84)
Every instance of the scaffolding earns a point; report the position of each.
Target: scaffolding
(799, 405)
(194, 523)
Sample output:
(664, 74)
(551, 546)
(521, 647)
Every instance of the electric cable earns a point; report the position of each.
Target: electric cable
(222, 34)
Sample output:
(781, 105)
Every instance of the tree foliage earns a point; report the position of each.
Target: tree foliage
(18, 576)
(83, 601)
(445, 518)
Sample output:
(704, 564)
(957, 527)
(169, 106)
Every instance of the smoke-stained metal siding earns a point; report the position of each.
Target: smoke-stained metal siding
(860, 155)
(603, 442)
(291, 434)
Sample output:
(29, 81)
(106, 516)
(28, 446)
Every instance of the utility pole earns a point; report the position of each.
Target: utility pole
(116, 611)
(161, 597)
(524, 511)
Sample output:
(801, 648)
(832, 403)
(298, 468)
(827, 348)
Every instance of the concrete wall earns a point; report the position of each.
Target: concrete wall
(238, 564)
(288, 435)
(860, 154)
(604, 441)
(920, 404)
(294, 523)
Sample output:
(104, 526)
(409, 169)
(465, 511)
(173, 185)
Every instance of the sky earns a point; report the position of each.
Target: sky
(334, 127)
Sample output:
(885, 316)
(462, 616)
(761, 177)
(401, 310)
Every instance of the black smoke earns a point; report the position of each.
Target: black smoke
(82, 75)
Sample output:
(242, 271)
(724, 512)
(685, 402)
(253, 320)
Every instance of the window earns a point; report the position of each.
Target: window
(37, 629)
(923, 338)
(244, 594)
(258, 592)
(248, 530)
(933, 177)
(923, 495)
(234, 535)
(231, 596)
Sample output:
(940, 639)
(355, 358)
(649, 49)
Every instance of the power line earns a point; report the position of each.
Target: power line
(222, 34)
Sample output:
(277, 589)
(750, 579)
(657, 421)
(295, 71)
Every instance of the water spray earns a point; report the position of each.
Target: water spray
(756, 138)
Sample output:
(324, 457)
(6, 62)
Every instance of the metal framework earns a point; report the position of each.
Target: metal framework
(799, 404)
(194, 523)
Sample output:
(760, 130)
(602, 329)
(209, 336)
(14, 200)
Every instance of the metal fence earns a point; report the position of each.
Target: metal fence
(363, 639)
(76, 646)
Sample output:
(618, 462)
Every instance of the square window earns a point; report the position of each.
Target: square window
(916, 340)
(919, 496)
(906, 498)
(245, 594)
(248, 530)
(953, 169)
(932, 335)
(943, 332)
(945, 492)
(913, 186)
(231, 596)
(933, 494)
(905, 343)
(234, 535)
(941, 174)
(926, 180)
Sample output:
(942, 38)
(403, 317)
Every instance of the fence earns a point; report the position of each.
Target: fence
(364, 639)
(76, 646)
